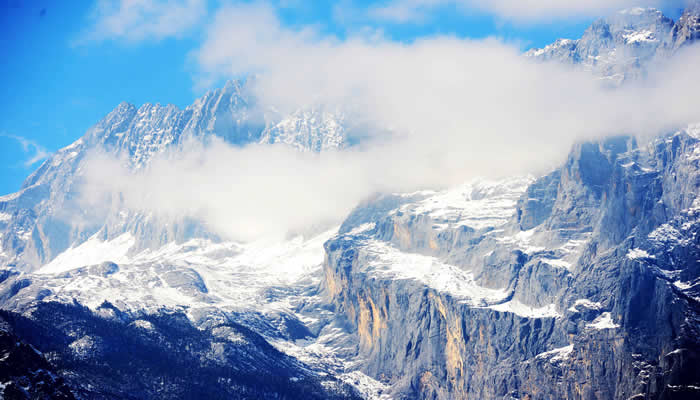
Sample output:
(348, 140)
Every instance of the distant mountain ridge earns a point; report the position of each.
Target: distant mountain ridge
(621, 46)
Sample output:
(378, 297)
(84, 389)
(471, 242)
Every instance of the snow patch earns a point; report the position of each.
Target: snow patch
(477, 204)
(558, 354)
(557, 263)
(236, 276)
(666, 234)
(585, 303)
(604, 321)
(92, 251)
(387, 261)
(683, 285)
(525, 311)
(143, 324)
(640, 37)
(676, 351)
(371, 389)
(634, 254)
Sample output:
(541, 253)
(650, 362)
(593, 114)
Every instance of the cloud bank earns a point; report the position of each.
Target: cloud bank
(471, 91)
(437, 111)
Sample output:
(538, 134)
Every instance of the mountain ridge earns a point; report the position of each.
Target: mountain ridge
(621, 47)
(583, 283)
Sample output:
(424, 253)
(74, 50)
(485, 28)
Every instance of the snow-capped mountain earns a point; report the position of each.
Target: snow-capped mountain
(44, 218)
(583, 283)
(621, 46)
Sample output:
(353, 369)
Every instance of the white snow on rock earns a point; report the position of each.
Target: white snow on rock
(236, 276)
(334, 350)
(604, 321)
(683, 285)
(558, 354)
(371, 389)
(634, 254)
(550, 48)
(477, 204)
(525, 311)
(309, 130)
(145, 325)
(640, 36)
(387, 261)
(666, 234)
(92, 251)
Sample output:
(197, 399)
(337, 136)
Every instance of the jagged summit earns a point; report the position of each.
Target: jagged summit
(620, 46)
(34, 232)
(229, 112)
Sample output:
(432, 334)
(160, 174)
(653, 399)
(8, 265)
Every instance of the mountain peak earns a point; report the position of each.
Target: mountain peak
(124, 106)
(620, 46)
(687, 30)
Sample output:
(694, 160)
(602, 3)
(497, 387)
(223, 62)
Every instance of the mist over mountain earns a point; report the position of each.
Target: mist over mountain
(447, 218)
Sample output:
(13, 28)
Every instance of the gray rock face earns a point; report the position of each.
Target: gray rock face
(589, 290)
(536, 205)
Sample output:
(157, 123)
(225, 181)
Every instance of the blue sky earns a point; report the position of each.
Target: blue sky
(68, 63)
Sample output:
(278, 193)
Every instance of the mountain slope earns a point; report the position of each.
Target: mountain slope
(164, 356)
(24, 371)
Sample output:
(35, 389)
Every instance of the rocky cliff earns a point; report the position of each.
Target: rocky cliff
(589, 291)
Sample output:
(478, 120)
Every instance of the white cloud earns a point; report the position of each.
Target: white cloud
(137, 20)
(438, 111)
(465, 91)
(34, 150)
(243, 194)
(515, 10)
